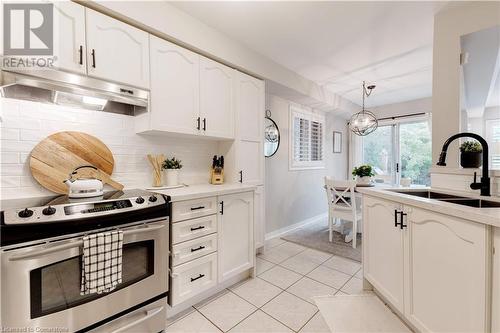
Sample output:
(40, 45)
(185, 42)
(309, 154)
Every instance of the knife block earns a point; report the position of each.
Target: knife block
(217, 176)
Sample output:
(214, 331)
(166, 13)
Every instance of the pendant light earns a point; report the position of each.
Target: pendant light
(364, 122)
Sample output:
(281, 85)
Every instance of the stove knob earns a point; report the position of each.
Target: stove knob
(153, 198)
(25, 213)
(139, 200)
(49, 211)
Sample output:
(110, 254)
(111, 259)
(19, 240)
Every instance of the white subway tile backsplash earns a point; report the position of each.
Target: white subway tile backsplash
(9, 158)
(25, 123)
(9, 134)
(10, 181)
(17, 122)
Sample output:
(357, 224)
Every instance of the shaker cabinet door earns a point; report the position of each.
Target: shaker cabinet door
(174, 88)
(69, 37)
(116, 51)
(235, 234)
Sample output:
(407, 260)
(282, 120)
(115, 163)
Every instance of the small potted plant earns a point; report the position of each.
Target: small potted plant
(363, 174)
(471, 154)
(172, 167)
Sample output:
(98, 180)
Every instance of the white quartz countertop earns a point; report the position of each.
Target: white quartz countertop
(204, 190)
(490, 216)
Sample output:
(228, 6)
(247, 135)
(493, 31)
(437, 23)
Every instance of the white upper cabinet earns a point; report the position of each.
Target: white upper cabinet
(235, 234)
(446, 272)
(69, 41)
(116, 51)
(383, 249)
(174, 88)
(250, 113)
(216, 99)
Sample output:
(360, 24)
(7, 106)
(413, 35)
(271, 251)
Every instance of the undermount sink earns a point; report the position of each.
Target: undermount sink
(464, 201)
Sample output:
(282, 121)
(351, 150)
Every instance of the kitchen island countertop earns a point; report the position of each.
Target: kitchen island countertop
(489, 216)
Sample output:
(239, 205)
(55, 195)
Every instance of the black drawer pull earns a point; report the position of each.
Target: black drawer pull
(401, 224)
(80, 50)
(198, 122)
(198, 228)
(197, 208)
(198, 277)
(396, 218)
(93, 58)
(201, 247)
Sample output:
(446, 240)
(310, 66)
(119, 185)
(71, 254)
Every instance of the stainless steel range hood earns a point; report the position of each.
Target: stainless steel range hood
(68, 88)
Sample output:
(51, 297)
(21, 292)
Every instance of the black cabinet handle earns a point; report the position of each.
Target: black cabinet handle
(197, 208)
(198, 277)
(396, 218)
(198, 228)
(80, 50)
(204, 124)
(241, 176)
(198, 126)
(222, 208)
(201, 247)
(401, 224)
(93, 58)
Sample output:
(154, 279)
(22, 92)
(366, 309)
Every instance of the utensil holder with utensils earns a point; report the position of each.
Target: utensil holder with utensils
(157, 163)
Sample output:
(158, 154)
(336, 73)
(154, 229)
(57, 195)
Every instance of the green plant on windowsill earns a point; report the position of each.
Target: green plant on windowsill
(471, 147)
(471, 154)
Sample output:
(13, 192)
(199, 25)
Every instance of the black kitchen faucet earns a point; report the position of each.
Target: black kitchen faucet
(484, 185)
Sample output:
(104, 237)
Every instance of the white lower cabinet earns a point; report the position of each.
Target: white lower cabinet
(429, 266)
(208, 250)
(260, 217)
(495, 313)
(235, 234)
(383, 250)
(446, 278)
(193, 278)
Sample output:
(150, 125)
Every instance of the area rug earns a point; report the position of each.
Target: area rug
(358, 313)
(315, 236)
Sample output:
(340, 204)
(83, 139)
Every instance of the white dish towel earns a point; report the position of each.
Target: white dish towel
(101, 262)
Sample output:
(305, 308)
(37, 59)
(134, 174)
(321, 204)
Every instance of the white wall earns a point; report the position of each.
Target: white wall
(169, 22)
(24, 124)
(404, 108)
(449, 25)
(296, 196)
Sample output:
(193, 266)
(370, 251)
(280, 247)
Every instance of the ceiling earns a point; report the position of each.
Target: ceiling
(336, 44)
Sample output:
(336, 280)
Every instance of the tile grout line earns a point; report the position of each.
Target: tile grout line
(315, 313)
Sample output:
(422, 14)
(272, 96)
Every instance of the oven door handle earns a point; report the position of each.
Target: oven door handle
(149, 314)
(78, 243)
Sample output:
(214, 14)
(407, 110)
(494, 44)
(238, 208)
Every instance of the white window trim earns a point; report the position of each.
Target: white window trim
(311, 115)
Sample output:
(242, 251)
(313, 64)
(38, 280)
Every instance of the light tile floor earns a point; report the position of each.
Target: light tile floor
(279, 299)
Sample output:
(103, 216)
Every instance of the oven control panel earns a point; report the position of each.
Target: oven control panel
(80, 209)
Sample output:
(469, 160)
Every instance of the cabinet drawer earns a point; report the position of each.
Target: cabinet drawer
(193, 249)
(184, 210)
(191, 229)
(193, 278)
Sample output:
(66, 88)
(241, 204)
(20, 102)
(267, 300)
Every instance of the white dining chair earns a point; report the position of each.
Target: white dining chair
(342, 205)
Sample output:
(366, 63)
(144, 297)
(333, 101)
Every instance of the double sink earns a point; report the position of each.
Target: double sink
(464, 201)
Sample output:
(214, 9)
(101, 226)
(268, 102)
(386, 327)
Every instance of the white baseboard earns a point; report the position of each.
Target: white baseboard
(282, 231)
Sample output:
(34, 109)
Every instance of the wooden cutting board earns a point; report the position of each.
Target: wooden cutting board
(56, 156)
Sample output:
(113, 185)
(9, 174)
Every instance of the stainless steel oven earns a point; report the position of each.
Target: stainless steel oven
(40, 283)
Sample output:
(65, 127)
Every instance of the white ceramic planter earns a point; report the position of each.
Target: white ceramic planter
(172, 177)
(364, 180)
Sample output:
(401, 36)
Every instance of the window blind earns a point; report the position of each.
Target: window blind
(493, 139)
(307, 139)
